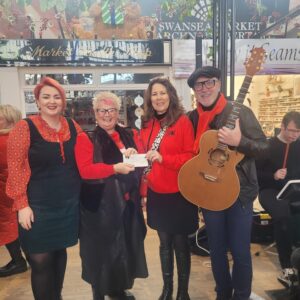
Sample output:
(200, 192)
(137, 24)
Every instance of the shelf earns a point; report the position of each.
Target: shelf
(272, 109)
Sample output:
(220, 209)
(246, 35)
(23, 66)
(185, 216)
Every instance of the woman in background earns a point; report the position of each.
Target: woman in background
(9, 116)
(112, 227)
(44, 183)
(168, 138)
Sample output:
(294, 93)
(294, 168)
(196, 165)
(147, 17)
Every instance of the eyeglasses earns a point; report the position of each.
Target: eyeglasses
(104, 111)
(210, 83)
(297, 131)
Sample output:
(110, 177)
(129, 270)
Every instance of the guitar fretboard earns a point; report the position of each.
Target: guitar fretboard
(233, 116)
(230, 122)
(244, 89)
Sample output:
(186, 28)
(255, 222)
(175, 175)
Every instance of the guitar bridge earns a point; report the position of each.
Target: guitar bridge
(209, 177)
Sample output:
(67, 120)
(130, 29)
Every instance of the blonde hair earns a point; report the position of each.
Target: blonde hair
(102, 96)
(11, 115)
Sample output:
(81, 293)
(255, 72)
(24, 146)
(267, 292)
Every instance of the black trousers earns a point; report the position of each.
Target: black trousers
(279, 210)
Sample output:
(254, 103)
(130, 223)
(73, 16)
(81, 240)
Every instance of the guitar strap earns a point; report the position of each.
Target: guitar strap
(155, 146)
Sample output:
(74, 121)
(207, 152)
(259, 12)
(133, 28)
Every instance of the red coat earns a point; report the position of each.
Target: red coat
(8, 218)
(176, 148)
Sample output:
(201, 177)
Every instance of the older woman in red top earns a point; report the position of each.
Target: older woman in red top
(112, 227)
(44, 183)
(9, 116)
(168, 138)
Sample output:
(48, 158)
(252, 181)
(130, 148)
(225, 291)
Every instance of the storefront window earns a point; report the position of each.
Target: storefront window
(30, 105)
(127, 78)
(80, 107)
(33, 79)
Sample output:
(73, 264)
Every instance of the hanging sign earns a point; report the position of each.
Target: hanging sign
(84, 52)
(282, 55)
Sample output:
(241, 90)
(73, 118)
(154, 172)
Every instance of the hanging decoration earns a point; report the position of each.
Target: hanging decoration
(138, 101)
(113, 12)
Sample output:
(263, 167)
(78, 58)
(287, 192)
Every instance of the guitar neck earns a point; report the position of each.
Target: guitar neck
(244, 89)
(234, 114)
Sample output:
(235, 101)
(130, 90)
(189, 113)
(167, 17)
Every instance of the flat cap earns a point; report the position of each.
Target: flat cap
(207, 71)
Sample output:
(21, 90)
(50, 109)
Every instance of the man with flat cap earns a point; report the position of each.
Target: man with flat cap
(229, 229)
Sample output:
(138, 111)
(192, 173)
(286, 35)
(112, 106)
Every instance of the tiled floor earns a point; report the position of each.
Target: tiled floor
(201, 283)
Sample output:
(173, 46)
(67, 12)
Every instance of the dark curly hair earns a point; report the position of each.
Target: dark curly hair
(175, 109)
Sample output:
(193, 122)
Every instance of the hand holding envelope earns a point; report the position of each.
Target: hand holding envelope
(138, 160)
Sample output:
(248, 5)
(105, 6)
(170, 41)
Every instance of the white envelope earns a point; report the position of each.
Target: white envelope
(138, 160)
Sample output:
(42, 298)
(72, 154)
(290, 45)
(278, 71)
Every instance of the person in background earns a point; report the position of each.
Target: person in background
(44, 183)
(168, 139)
(112, 227)
(229, 229)
(281, 164)
(9, 116)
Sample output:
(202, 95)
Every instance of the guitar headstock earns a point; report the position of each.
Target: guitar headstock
(254, 62)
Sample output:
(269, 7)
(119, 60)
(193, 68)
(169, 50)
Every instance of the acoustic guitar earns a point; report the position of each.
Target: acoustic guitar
(209, 180)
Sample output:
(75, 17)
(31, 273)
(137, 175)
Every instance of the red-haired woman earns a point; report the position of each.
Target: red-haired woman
(44, 183)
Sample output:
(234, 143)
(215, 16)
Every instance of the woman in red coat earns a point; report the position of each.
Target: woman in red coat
(8, 219)
(168, 138)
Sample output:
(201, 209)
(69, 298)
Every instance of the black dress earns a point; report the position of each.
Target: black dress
(53, 194)
(112, 229)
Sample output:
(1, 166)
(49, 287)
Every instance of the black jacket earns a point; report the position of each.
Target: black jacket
(273, 161)
(253, 144)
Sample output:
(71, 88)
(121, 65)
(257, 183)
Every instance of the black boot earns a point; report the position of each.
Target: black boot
(183, 260)
(96, 294)
(167, 267)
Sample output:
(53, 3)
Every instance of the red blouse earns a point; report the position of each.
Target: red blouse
(17, 155)
(8, 218)
(84, 150)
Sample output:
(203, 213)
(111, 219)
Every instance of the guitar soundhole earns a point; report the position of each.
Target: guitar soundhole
(217, 157)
